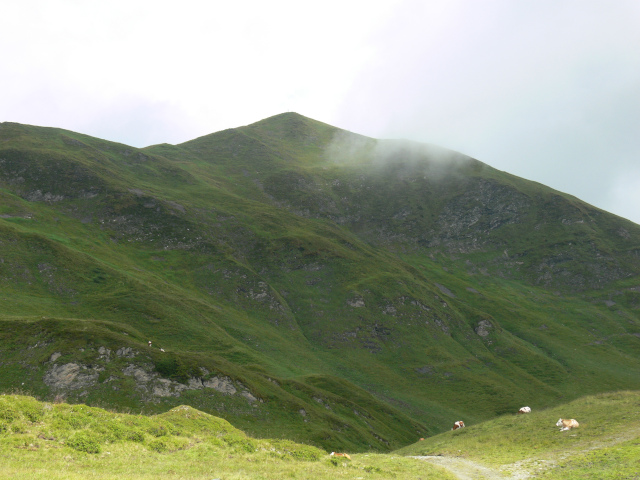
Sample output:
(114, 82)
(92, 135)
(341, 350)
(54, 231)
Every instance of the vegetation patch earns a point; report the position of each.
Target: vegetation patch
(605, 444)
(181, 443)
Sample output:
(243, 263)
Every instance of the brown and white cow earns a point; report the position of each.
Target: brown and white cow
(458, 424)
(525, 410)
(346, 455)
(567, 424)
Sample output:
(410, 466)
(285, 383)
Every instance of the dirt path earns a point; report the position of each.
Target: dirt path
(469, 470)
(463, 469)
(524, 469)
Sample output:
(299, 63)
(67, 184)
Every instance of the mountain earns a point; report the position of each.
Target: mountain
(304, 281)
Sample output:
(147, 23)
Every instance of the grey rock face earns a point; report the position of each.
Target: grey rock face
(221, 384)
(70, 376)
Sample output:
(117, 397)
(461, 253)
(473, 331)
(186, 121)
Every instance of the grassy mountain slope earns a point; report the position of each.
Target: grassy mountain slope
(605, 445)
(355, 293)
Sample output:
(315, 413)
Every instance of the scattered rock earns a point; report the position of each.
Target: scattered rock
(139, 374)
(221, 384)
(484, 328)
(104, 352)
(126, 352)
(356, 302)
(445, 290)
(246, 394)
(167, 388)
(426, 370)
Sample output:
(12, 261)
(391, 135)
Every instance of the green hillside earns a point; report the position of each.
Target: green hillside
(604, 445)
(305, 282)
(61, 441)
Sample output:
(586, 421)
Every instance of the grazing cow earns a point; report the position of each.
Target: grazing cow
(346, 455)
(421, 439)
(458, 424)
(162, 349)
(525, 410)
(566, 424)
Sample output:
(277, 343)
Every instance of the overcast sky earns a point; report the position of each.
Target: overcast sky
(548, 90)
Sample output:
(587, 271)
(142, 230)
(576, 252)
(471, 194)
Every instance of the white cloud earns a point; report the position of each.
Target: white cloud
(547, 90)
(220, 64)
(626, 194)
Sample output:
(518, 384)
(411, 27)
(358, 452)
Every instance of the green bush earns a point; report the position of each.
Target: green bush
(110, 431)
(158, 430)
(134, 436)
(19, 427)
(297, 451)
(84, 441)
(7, 412)
(216, 442)
(240, 443)
(71, 417)
(158, 445)
(176, 368)
(32, 409)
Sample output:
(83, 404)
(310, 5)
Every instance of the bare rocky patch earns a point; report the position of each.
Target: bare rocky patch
(66, 377)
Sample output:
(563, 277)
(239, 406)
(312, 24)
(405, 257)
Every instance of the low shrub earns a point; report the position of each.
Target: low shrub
(240, 443)
(32, 409)
(158, 430)
(7, 412)
(84, 441)
(158, 445)
(287, 448)
(19, 427)
(134, 436)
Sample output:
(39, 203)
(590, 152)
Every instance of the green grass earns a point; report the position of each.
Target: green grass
(605, 444)
(59, 441)
(619, 462)
(309, 263)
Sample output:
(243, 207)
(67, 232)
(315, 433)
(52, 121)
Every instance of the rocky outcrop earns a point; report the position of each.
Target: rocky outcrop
(71, 376)
(67, 377)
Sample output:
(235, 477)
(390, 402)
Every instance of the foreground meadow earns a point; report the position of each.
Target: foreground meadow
(60, 441)
(606, 445)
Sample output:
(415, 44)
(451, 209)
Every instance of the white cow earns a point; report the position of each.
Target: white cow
(566, 424)
(525, 410)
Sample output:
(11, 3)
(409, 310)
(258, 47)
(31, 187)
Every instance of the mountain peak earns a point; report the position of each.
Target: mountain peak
(284, 118)
(298, 134)
(291, 125)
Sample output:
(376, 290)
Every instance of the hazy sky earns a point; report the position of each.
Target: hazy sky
(546, 90)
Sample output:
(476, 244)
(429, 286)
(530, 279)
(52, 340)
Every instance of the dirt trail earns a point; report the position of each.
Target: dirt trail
(521, 470)
(469, 470)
